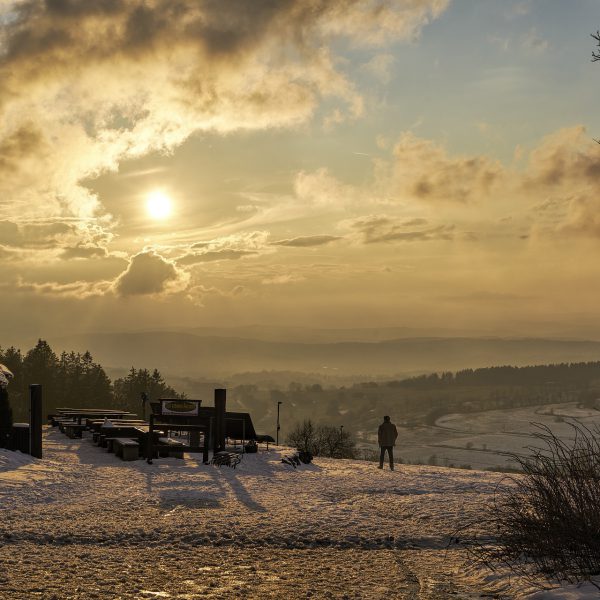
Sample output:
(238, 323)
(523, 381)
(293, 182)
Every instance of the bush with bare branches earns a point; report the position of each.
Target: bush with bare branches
(546, 522)
(322, 440)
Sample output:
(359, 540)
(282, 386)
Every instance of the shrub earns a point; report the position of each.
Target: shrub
(322, 440)
(547, 524)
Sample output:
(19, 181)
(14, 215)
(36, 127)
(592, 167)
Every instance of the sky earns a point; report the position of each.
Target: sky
(318, 163)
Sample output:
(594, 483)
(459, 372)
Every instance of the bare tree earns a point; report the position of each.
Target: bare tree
(304, 437)
(324, 440)
(336, 443)
(596, 53)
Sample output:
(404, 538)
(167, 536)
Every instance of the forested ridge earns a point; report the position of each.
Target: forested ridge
(75, 379)
(579, 373)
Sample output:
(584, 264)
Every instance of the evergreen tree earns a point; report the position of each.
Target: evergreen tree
(128, 390)
(82, 382)
(41, 365)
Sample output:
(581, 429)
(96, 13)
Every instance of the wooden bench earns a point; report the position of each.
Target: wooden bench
(73, 430)
(62, 422)
(170, 447)
(126, 448)
(116, 431)
(110, 443)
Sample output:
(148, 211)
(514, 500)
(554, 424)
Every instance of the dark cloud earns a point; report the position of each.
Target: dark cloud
(231, 247)
(424, 171)
(16, 147)
(307, 241)
(35, 235)
(10, 234)
(582, 218)
(566, 157)
(378, 229)
(48, 235)
(149, 273)
(83, 252)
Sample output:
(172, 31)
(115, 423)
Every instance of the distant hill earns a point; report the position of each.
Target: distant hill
(188, 354)
(307, 335)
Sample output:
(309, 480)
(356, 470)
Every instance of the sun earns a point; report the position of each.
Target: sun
(158, 205)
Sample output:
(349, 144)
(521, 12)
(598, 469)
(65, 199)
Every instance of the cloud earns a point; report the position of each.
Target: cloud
(231, 247)
(85, 85)
(307, 241)
(10, 254)
(322, 189)
(79, 290)
(380, 67)
(282, 279)
(213, 255)
(422, 170)
(199, 294)
(150, 273)
(563, 174)
(533, 42)
(567, 158)
(63, 239)
(17, 146)
(382, 228)
(582, 217)
(83, 252)
(10, 234)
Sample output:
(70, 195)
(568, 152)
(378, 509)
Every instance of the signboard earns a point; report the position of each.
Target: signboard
(182, 408)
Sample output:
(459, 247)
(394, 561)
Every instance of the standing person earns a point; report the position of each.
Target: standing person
(386, 436)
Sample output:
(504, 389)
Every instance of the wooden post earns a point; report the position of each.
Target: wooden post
(219, 433)
(195, 438)
(205, 447)
(150, 440)
(35, 420)
(5, 419)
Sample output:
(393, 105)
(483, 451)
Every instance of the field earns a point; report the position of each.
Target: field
(82, 524)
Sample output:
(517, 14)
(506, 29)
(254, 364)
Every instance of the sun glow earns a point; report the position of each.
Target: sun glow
(158, 205)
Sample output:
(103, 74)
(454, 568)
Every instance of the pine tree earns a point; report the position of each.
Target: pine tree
(41, 365)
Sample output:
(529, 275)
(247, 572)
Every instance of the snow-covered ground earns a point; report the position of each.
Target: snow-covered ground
(83, 524)
(484, 440)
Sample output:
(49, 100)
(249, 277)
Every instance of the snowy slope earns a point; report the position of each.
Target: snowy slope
(82, 524)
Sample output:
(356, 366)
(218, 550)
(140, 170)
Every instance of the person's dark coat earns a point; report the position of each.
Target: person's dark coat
(387, 434)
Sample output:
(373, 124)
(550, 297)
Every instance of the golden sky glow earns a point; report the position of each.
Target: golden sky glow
(328, 163)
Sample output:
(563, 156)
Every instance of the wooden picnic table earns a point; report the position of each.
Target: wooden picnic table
(95, 424)
(80, 414)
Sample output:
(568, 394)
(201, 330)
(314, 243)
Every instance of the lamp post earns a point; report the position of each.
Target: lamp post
(341, 446)
(279, 403)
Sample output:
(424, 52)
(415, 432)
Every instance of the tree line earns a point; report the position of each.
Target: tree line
(579, 374)
(75, 379)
